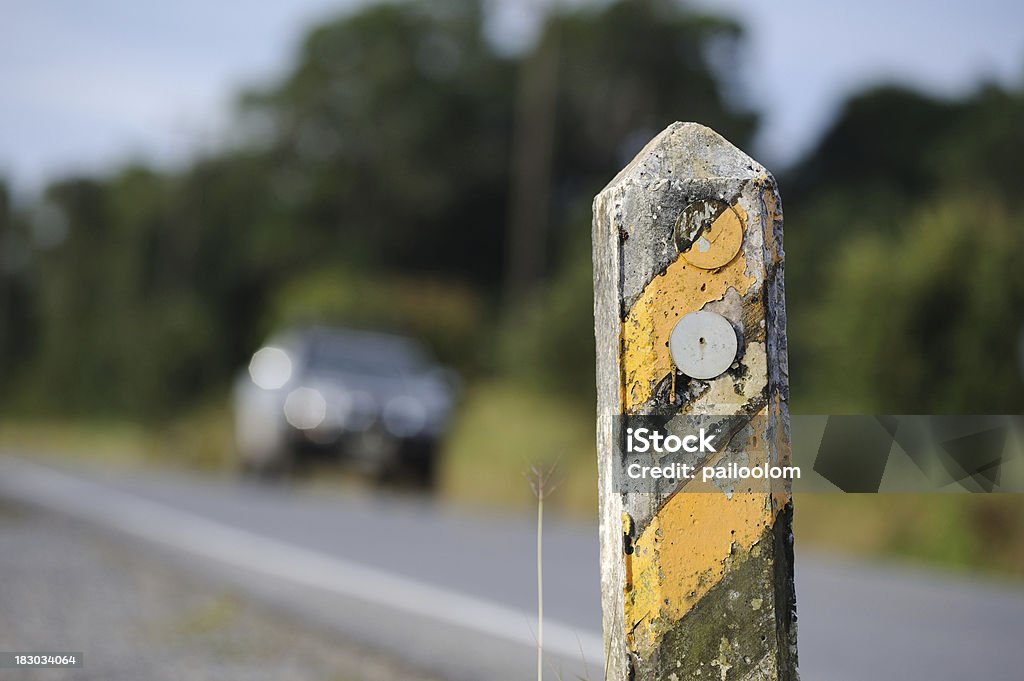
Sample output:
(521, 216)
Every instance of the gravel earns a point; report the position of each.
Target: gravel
(67, 588)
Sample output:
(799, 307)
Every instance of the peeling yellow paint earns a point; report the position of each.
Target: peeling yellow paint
(697, 537)
(627, 529)
(684, 551)
(683, 288)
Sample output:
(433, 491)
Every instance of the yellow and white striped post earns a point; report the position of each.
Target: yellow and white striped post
(696, 583)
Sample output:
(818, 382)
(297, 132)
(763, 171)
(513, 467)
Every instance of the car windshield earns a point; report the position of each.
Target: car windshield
(382, 356)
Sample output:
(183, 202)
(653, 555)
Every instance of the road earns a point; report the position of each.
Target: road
(452, 590)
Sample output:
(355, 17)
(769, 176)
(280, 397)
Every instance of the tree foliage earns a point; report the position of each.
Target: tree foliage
(904, 251)
(372, 188)
(374, 185)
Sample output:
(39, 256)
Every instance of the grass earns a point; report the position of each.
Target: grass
(969, 533)
(502, 431)
(110, 443)
(198, 440)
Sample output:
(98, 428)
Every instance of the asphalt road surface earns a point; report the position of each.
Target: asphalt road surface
(452, 591)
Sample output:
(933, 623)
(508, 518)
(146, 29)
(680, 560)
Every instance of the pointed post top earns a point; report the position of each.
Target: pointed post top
(688, 151)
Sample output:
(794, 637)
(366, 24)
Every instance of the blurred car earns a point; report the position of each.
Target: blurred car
(376, 400)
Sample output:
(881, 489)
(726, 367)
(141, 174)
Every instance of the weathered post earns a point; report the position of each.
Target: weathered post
(696, 576)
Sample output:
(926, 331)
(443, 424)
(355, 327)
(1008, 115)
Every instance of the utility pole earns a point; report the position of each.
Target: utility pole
(532, 164)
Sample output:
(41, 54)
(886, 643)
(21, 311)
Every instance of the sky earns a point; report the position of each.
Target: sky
(87, 85)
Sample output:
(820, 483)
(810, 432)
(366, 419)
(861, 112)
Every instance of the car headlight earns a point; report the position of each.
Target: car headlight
(270, 368)
(305, 408)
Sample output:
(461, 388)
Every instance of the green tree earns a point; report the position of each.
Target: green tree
(626, 70)
(902, 246)
(16, 302)
(927, 322)
(393, 127)
(375, 186)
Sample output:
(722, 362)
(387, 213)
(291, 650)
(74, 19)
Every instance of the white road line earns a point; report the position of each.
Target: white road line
(246, 550)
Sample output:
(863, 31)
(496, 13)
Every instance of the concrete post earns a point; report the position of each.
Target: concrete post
(696, 583)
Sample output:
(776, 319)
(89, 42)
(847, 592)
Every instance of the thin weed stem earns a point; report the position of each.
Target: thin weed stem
(540, 483)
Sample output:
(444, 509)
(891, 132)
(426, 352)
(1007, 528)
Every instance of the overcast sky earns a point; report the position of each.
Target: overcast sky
(86, 85)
